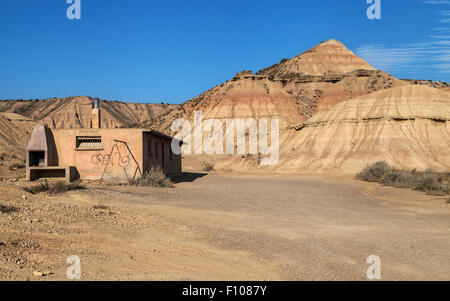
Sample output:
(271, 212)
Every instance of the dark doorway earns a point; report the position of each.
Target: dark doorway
(37, 159)
(163, 156)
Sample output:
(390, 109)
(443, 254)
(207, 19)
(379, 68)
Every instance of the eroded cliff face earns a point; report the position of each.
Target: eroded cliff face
(409, 127)
(336, 114)
(239, 98)
(260, 97)
(291, 91)
(75, 112)
(326, 93)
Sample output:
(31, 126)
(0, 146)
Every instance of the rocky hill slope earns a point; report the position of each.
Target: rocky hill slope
(434, 84)
(75, 112)
(326, 59)
(409, 127)
(15, 131)
(292, 99)
(349, 114)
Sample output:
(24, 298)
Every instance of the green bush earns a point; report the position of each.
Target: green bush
(154, 178)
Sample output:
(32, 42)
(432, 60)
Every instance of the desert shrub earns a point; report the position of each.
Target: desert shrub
(7, 209)
(374, 173)
(100, 207)
(16, 166)
(432, 183)
(399, 179)
(154, 178)
(429, 181)
(42, 187)
(58, 187)
(208, 166)
(61, 187)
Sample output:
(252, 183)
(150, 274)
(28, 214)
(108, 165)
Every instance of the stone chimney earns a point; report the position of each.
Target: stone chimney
(96, 117)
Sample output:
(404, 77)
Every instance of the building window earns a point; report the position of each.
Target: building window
(156, 149)
(89, 143)
(149, 148)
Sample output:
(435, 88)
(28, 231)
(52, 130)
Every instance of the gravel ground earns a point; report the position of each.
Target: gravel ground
(225, 227)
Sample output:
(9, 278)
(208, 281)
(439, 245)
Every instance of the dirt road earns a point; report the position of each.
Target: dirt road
(226, 227)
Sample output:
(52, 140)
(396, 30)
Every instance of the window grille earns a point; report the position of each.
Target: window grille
(89, 142)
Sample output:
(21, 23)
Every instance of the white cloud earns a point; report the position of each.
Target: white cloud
(440, 37)
(433, 54)
(437, 2)
(408, 59)
(442, 43)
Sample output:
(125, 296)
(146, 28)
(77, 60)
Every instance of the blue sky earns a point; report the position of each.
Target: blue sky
(171, 51)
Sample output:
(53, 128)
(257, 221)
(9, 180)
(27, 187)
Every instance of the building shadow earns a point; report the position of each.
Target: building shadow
(187, 177)
(52, 154)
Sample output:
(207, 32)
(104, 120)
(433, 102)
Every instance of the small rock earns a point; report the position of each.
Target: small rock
(24, 197)
(41, 274)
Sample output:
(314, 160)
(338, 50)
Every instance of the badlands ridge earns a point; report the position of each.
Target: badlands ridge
(337, 114)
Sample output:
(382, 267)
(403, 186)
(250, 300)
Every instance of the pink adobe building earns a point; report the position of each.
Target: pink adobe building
(99, 154)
